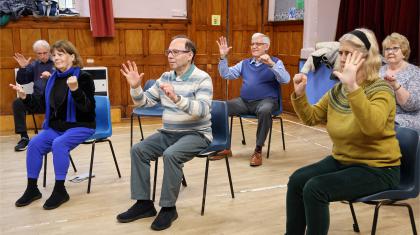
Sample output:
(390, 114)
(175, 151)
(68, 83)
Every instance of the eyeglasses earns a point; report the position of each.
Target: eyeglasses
(258, 44)
(392, 49)
(175, 52)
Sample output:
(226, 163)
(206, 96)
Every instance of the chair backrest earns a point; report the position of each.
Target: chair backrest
(220, 123)
(103, 117)
(318, 83)
(410, 162)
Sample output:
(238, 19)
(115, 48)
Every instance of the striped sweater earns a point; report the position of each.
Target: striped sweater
(192, 111)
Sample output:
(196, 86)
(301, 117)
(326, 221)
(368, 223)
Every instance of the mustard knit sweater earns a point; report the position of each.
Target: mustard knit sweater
(360, 123)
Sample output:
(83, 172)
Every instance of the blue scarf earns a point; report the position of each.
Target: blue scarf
(71, 107)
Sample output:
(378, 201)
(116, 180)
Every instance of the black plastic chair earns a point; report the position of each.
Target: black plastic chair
(155, 111)
(221, 141)
(275, 115)
(409, 183)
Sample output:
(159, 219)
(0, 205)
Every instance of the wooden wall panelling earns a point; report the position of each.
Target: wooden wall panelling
(57, 34)
(28, 35)
(6, 44)
(6, 93)
(85, 43)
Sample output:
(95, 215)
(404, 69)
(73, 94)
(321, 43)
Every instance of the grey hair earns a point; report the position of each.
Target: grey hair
(265, 38)
(41, 43)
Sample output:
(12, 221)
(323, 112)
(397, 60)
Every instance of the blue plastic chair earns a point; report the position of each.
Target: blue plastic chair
(102, 133)
(275, 115)
(409, 186)
(318, 83)
(221, 141)
(155, 111)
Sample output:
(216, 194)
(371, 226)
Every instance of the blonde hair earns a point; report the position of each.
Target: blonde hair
(372, 64)
(400, 40)
(68, 47)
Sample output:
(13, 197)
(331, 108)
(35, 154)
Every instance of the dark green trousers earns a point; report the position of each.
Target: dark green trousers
(312, 188)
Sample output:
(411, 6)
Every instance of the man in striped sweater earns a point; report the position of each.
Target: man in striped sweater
(185, 93)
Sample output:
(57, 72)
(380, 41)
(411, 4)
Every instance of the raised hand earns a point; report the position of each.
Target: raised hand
(131, 74)
(266, 59)
(299, 83)
(45, 75)
(348, 77)
(223, 47)
(72, 83)
(22, 61)
(168, 89)
(19, 89)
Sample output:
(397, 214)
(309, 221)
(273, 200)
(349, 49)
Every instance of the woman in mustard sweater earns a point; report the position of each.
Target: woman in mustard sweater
(359, 114)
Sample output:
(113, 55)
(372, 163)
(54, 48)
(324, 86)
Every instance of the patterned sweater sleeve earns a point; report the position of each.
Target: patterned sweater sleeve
(413, 87)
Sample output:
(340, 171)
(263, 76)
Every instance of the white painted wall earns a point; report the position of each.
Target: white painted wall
(320, 23)
(161, 9)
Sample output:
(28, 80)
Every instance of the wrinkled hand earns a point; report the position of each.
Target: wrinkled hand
(392, 81)
(45, 75)
(352, 65)
(266, 59)
(72, 83)
(19, 89)
(168, 89)
(22, 61)
(223, 47)
(131, 74)
(299, 83)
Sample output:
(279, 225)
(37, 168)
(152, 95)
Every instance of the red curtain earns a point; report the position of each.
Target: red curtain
(102, 18)
(383, 17)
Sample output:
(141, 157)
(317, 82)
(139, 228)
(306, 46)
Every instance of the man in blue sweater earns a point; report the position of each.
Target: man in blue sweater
(37, 72)
(261, 78)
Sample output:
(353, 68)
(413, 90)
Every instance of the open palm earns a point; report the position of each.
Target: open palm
(131, 73)
(223, 46)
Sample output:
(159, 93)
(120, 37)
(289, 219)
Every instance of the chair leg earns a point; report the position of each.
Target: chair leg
(72, 163)
(113, 155)
(203, 203)
(231, 128)
(282, 133)
(91, 165)
(141, 128)
(131, 129)
(242, 129)
(184, 181)
(44, 184)
(269, 139)
(375, 217)
(410, 212)
(154, 180)
(230, 177)
(35, 126)
(353, 214)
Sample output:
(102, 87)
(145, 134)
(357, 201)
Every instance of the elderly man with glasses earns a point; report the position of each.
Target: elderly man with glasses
(261, 75)
(185, 93)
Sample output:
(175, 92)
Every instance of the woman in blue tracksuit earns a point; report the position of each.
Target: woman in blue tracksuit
(69, 120)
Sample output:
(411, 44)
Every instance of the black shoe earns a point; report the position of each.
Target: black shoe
(138, 211)
(56, 199)
(28, 197)
(22, 144)
(165, 218)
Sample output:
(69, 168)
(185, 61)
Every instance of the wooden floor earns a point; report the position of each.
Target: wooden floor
(258, 208)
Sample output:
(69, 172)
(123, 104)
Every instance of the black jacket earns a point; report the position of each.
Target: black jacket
(83, 98)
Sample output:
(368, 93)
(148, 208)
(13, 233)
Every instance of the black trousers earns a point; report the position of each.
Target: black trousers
(19, 115)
